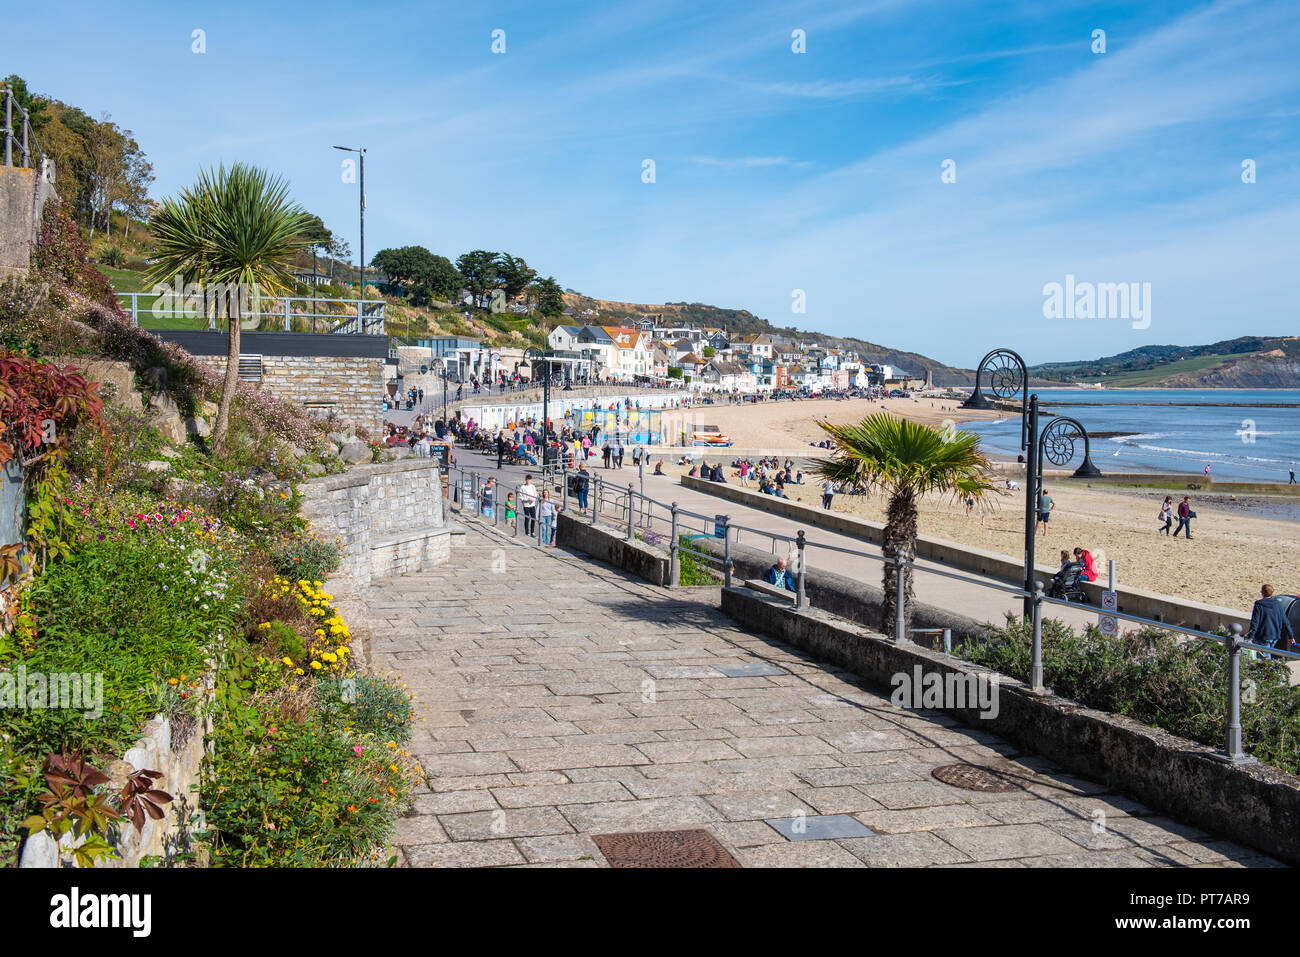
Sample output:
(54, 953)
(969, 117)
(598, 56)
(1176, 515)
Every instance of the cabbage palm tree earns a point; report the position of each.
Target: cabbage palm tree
(237, 230)
(906, 460)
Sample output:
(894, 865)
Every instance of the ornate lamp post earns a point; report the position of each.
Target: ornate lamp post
(537, 358)
(1056, 444)
(1007, 376)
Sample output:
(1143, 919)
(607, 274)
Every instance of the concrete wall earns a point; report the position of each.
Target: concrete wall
(1000, 568)
(1256, 805)
(390, 517)
(608, 546)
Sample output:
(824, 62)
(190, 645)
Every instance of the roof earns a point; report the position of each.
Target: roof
(625, 338)
(594, 334)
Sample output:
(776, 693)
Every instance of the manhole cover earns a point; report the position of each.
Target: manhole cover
(664, 849)
(972, 777)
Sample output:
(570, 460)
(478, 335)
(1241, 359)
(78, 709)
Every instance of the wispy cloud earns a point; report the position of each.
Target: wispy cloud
(748, 162)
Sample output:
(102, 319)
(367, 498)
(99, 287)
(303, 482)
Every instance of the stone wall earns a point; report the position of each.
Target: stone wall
(390, 517)
(352, 385)
(642, 560)
(170, 747)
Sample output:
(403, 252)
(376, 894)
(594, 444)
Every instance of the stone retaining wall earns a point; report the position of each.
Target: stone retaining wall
(633, 556)
(389, 518)
(1253, 804)
(177, 751)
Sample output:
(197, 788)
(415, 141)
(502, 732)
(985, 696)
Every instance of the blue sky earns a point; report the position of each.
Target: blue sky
(775, 171)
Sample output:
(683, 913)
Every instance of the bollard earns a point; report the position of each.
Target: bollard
(726, 550)
(1233, 752)
(900, 628)
(1036, 663)
(674, 566)
(630, 510)
(947, 641)
(800, 595)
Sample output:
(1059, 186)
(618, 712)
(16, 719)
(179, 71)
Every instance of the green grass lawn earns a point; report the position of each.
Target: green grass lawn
(1148, 376)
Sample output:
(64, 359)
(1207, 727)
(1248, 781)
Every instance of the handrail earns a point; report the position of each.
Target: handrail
(371, 320)
(24, 139)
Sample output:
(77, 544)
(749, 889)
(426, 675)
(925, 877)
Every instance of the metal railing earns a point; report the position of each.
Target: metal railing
(19, 138)
(285, 314)
(632, 513)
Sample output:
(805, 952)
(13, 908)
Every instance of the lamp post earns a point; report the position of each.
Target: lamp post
(1056, 444)
(361, 308)
(537, 357)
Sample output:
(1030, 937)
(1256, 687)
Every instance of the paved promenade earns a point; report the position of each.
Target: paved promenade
(560, 699)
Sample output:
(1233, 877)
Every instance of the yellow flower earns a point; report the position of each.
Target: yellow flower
(315, 665)
(287, 660)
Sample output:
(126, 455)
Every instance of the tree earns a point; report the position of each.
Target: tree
(36, 106)
(710, 352)
(405, 265)
(550, 297)
(235, 228)
(136, 177)
(479, 267)
(320, 238)
(514, 276)
(441, 280)
(105, 145)
(906, 460)
(339, 251)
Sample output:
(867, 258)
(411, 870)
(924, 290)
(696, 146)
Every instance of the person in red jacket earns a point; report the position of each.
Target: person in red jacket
(1084, 557)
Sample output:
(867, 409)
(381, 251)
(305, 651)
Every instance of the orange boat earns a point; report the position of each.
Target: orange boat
(709, 438)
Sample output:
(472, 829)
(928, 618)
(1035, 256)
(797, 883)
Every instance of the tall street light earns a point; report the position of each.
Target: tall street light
(361, 310)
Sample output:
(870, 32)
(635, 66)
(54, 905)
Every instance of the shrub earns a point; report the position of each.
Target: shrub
(1147, 675)
(112, 256)
(305, 556)
(370, 704)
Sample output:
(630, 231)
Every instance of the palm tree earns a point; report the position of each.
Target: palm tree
(237, 230)
(906, 460)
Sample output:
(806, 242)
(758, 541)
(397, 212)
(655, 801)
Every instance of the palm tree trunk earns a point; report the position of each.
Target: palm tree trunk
(231, 383)
(899, 542)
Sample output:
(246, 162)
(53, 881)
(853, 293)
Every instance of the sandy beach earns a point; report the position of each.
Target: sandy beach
(1230, 554)
(792, 425)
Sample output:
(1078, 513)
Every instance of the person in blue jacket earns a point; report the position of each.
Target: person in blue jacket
(1268, 622)
(778, 575)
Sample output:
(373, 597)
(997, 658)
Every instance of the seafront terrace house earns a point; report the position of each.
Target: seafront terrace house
(597, 346)
(564, 338)
(630, 352)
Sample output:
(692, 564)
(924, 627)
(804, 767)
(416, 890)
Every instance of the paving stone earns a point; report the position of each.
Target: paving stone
(757, 805)
(916, 849)
(1007, 840)
(820, 827)
(593, 792)
(464, 854)
(515, 822)
(652, 814)
(797, 854)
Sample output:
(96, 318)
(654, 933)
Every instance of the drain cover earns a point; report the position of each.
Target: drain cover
(972, 777)
(664, 849)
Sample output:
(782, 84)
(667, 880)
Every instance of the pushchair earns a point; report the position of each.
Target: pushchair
(1065, 584)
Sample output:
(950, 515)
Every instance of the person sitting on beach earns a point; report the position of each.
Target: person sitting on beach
(659, 467)
(694, 472)
(718, 476)
(778, 575)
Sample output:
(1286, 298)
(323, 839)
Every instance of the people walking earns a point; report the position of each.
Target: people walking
(1185, 516)
(1166, 517)
(1045, 506)
(550, 515)
(1292, 480)
(488, 498)
(528, 501)
(607, 453)
(828, 493)
(581, 485)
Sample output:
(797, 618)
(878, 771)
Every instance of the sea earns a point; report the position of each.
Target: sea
(1245, 435)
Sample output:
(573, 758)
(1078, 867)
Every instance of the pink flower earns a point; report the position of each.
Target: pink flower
(357, 750)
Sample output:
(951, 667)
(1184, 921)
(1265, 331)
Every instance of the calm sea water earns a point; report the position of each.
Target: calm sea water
(1233, 431)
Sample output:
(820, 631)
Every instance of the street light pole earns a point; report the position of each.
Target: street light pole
(361, 309)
